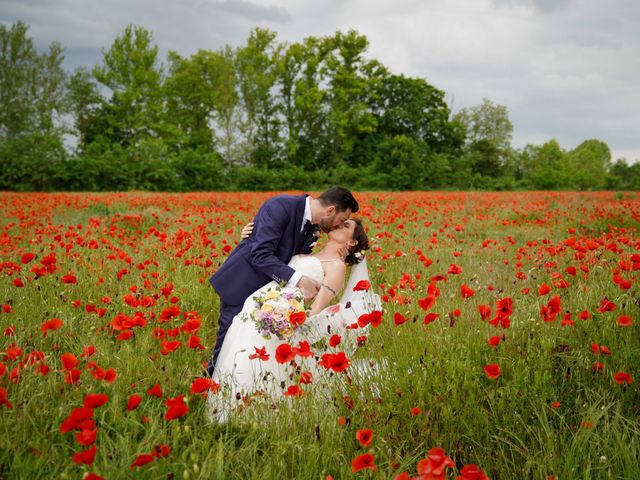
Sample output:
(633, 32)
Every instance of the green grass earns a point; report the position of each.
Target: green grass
(507, 426)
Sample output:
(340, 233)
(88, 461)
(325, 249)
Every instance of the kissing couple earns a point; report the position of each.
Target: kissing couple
(276, 321)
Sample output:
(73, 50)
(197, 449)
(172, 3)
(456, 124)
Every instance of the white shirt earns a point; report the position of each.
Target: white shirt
(295, 278)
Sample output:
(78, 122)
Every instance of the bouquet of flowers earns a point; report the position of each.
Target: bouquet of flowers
(280, 312)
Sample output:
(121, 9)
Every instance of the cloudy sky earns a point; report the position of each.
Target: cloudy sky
(566, 69)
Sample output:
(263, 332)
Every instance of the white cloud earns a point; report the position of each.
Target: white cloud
(565, 69)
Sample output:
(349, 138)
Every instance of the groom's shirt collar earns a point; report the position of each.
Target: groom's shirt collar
(307, 212)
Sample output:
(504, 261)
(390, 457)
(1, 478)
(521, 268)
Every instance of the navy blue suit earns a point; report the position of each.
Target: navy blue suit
(260, 258)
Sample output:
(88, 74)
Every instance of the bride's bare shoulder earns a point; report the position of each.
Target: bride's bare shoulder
(335, 267)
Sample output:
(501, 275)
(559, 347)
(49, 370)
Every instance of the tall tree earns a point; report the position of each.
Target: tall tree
(590, 161)
(202, 100)
(31, 108)
(351, 80)
(256, 69)
(304, 107)
(413, 107)
(31, 84)
(488, 138)
(84, 102)
(130, 70)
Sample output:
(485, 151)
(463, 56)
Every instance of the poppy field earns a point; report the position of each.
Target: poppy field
(509, 345)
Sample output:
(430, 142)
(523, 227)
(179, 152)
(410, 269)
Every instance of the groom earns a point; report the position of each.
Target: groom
(283, 227)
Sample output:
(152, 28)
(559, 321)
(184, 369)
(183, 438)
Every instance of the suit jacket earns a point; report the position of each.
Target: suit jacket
(264, 255)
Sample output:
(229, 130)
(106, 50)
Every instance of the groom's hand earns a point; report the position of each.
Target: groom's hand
(309, 287)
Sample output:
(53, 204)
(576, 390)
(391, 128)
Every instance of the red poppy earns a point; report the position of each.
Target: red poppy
(433, 467)
(95, 400)
(69, 361)
(427, 302)
(169, 346)
(398, 318)
(110, 375)
(50, 325)
(86, 457)
(466, 292)
(606, 306)
(375, 318)
(161, 451)
(338, 362)
(26, 258)
(69, 279)
(155, 391)
(415, 411)
(584, 315)
(492, 371)
(430, 317)
(555, 306)
(543, 289)
(472, 472)
(454, 269)
(362, 285)
(133, 402)
(494, 341)
(86, 437)
(335, 340)
(93, 476)
(504, 306)
(142, 460)
(177, 408)
(485, 311)
(366, 461)
(201, 384)
(261, 353)
(305, 377)
(623, 377)
(194, 343)
(293, 391)
(297, 318)
(76, 418)
(365, 437)
(624, 321)
(4, 398)
(284, 353)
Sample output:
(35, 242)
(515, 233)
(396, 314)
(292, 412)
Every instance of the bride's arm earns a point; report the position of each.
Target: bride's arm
(332, 283)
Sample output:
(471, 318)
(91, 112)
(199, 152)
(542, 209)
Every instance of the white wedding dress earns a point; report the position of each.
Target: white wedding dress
(240, 376)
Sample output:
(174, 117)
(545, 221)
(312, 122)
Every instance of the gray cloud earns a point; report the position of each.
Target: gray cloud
(542, 5)
(565, 69)
(255, 12)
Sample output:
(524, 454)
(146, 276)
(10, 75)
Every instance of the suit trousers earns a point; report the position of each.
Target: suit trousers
(227, 313)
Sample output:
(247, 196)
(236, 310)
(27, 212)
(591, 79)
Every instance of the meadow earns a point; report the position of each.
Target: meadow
(509, 340)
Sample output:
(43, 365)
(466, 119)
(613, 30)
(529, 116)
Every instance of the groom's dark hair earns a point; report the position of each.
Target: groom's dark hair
(339, 197)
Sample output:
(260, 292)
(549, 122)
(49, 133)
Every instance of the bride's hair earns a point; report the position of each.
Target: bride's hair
(363, 243)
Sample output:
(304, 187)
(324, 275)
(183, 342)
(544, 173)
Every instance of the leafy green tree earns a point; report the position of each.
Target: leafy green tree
(256, 69)
(130, 71)
(31, 109)
(488, 136)
(351, 81)
(623, 176)
(412, 107)
(202, 101)
(590, 162)
(487, 121)
(548, 167)
(84, 102)
(303, 100)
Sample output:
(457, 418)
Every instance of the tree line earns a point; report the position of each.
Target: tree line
(266, 115)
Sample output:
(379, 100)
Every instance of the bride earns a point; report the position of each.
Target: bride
(251, 365)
